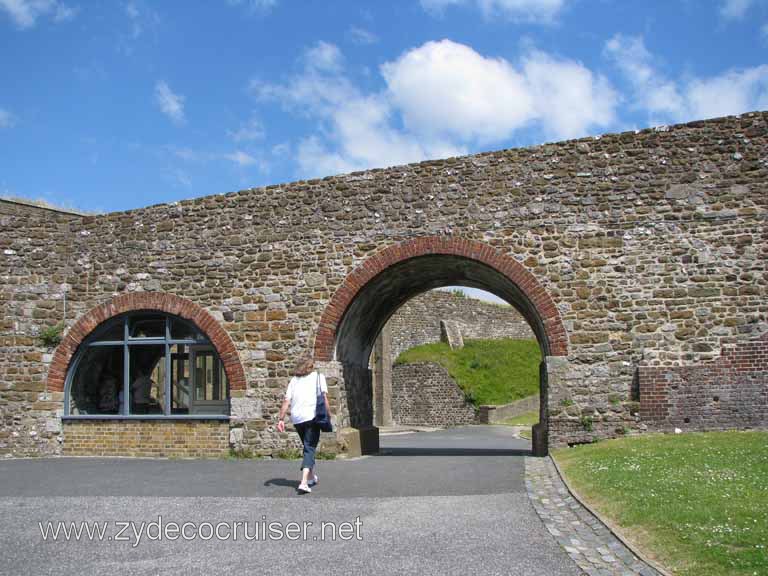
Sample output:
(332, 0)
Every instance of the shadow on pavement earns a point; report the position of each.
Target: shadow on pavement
(452, 452)
(282, 482)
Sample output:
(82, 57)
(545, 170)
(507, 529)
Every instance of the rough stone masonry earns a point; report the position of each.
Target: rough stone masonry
(636, 258)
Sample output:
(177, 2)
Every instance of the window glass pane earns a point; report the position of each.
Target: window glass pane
(209, 394)
(147, 326)
(97, 385)
(181, 330)
(112, 331)
(223, 383)
(203, 375)
(147, 379)
(181, 390)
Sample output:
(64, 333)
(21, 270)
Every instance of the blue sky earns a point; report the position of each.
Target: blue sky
(116, 105)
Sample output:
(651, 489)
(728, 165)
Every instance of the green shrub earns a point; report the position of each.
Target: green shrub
(51, 336)
(586, 423)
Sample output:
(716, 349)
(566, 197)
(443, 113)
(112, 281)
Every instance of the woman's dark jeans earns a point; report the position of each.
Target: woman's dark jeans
(309, 432)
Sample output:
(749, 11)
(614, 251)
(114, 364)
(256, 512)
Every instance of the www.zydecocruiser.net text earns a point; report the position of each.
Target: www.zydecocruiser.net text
(137, 533)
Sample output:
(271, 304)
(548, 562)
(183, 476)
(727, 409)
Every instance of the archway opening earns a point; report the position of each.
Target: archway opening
(451, 357)
(376, 300)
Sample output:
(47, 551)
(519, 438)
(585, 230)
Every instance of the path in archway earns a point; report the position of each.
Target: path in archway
(446, 502)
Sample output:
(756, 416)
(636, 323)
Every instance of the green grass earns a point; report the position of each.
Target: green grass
(697, 502)
(527, 419)
(244, 454)
(296, 454)
(488, 371)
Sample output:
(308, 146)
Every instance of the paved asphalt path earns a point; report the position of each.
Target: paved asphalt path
(443, 503)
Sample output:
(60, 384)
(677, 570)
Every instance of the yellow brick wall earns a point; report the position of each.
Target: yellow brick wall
(190, 439)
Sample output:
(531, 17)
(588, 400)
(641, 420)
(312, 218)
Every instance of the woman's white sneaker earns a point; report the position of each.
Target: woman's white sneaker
(304, 489)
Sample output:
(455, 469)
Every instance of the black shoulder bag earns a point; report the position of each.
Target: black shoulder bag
(322, 418)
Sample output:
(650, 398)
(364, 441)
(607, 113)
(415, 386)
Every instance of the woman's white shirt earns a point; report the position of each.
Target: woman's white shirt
(302, 393)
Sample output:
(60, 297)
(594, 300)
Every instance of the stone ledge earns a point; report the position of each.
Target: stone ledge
(490, 414)
(358, 441)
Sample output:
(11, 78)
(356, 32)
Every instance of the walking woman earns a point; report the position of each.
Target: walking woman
(304, 388)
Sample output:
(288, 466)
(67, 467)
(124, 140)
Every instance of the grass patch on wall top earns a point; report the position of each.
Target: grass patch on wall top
(487, 371)
(697, 502)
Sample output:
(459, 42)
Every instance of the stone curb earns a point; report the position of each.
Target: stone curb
(590, 544)
(609, 525)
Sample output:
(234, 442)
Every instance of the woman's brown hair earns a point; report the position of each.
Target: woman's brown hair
(304, 366)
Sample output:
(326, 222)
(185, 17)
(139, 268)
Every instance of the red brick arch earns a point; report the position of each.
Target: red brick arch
(432, 245)
(155, 301)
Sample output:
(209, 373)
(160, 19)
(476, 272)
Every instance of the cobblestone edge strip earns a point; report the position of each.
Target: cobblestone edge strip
(590, 543)
(612, 528)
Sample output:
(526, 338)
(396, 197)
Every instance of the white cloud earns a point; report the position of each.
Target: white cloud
(652, 92)
(255, 5)
(64, 13)
(516, 10)
(240, 158)
(356, 129)
(170, 103)
(281, 150)
(180, 177)
(449, 88)
(362, 36)
(134, 15)
(445, 88)
(324, 57)
(7, 120)
(187, 154)
(570, 100)
(250, 130)
(143, 21)
(25, 13)
(735, 9)
(197, 158)
(732, 92)
(440, 98)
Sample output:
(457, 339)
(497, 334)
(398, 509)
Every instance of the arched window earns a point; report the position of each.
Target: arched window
(147, 365)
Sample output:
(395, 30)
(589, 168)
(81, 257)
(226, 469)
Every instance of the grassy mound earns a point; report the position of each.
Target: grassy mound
(697, 502)
(488, 371)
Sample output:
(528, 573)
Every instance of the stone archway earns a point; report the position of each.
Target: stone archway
(382, 283)
(157, 301)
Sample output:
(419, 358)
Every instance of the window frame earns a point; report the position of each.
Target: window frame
(127, 342)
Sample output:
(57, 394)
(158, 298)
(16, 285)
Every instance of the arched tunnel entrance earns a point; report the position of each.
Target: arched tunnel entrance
(373, 292)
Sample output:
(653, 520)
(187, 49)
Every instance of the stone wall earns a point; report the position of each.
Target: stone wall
(31, 298)
(424, 394)
(646, 249)
(418, 320)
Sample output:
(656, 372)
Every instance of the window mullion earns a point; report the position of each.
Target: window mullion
(167, 383)
(125, 408)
